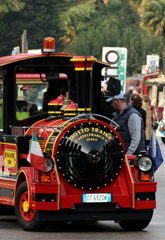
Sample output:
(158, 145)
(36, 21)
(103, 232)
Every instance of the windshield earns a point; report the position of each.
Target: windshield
(29, 99)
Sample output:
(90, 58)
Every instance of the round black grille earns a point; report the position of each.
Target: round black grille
(89, 155)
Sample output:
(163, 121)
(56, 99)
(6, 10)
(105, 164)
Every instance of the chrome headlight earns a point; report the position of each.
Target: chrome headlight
(49, 164)
(145, 163)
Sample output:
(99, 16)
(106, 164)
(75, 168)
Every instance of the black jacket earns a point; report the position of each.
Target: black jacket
(128, 95)
(143, 114)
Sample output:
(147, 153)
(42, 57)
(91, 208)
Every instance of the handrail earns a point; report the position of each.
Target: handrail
(79, 116)
(90, 114)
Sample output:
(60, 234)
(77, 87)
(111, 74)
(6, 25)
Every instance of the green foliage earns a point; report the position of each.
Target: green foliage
(77, 19)
(39, 18)
(153, 17)
(117, 26)
(81, 27)
(138, 44)
(8, 5)
(153, 20)
(138, 4)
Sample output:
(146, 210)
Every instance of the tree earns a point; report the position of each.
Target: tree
(76, 19)
(91, 25)
(137, 4)
(39, 18)
(153, 20)
(8, 5)
(117, 25)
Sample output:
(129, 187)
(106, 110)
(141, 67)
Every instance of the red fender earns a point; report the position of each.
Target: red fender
(25, 174)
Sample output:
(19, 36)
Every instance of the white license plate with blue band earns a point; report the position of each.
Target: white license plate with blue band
(99, 197)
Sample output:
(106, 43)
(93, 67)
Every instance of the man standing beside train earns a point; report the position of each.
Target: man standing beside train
(131, 124)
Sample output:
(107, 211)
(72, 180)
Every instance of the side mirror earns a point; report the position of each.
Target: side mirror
(113, 86)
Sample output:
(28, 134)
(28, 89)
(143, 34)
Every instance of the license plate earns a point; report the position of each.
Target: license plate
(99, 197)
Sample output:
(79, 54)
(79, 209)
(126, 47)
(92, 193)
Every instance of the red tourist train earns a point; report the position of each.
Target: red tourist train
(87, 175)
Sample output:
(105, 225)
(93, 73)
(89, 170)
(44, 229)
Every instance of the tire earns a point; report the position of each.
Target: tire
(163, 139)
(27, 217)
(135, 225)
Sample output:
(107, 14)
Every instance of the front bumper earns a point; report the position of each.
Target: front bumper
(95, 212)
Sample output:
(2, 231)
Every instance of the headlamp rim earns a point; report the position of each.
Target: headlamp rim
(45, 157)
(142, 156)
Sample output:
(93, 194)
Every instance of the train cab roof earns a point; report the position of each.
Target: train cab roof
(25, 56)
(6, 60)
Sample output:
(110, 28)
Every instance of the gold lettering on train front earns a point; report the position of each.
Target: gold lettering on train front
(90, 134)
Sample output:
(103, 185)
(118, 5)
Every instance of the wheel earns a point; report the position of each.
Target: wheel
(26, 216)
(163, 139)
(135, 225)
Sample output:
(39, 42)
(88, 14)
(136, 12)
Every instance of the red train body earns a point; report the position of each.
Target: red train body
(92, 178)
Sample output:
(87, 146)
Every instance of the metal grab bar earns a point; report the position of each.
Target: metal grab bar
(20, 130)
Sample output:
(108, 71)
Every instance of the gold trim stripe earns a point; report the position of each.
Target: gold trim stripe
(6, 184)
(79, 69)
(7, 200)
(33, 125)
(82, 59)
(82, 69)
(84, 109)
(52, 112)
(28, 186)
(70, 114)
(54, 104)
(78, 109)
(58, 182)
(55, 168)
(133, 183)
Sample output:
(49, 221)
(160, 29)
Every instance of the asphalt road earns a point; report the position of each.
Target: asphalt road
(9, 228)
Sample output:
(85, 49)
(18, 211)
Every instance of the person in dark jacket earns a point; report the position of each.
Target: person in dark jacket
(129, 93)
(131, 124)
(136, 102)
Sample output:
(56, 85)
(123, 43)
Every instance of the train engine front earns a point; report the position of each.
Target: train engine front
(88, 152)
(88, 176)
(93, 177)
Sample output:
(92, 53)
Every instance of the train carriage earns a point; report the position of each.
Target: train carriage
(156, 88)
(145, 82)
(87, 173)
